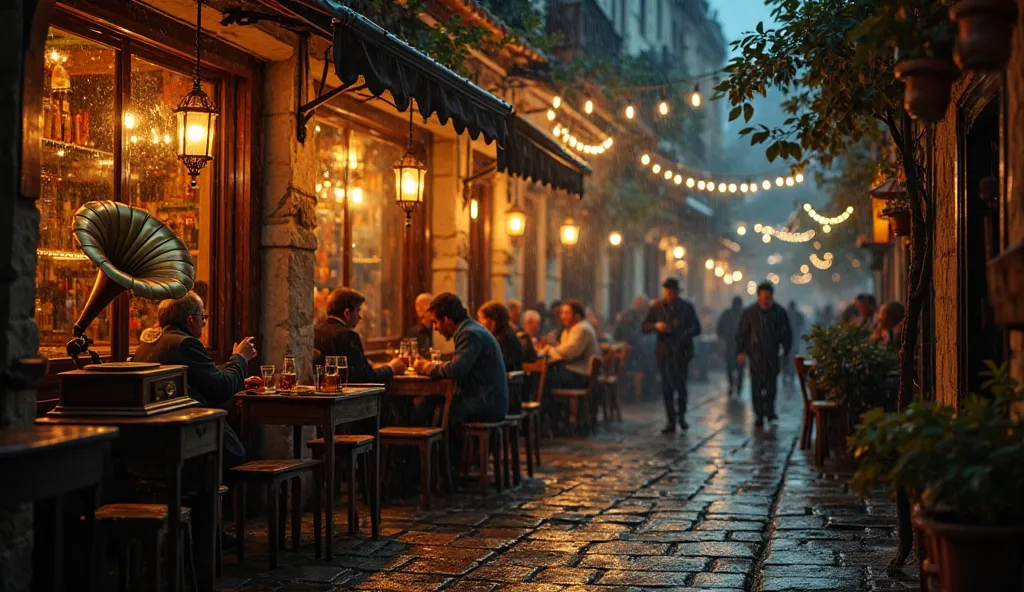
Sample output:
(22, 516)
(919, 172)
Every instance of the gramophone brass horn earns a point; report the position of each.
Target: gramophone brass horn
(134, 251)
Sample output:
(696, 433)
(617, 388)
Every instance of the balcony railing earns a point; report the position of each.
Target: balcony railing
(584, 28)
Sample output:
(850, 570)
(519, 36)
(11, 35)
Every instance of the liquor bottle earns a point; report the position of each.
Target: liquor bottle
(55, 133)
(85, 129)
(78, 129)
(65, 119)
(47, 117)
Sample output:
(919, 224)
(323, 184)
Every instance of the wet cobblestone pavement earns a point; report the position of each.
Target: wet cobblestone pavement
(721, 507)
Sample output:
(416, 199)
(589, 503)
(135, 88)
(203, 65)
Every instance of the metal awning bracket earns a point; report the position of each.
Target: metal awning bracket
(305, 111)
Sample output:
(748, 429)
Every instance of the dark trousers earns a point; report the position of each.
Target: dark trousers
(673, 385)
(763, 386)
(735, 371)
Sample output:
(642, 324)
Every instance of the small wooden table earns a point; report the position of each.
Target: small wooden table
(415, 385)
(168, 440)
(46, 463)
(325, 411)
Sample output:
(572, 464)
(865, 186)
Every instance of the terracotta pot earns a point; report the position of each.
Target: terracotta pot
(899, 220)
(984, 29)
(928, 86)
(962, 557)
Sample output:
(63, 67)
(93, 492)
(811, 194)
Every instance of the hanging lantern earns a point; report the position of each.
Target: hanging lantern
(516, 220)
(196, 117)
(410, 175)
(569, 233)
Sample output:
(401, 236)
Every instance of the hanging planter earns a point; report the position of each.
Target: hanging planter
(899, 220)
(928, 86)
(984, 32)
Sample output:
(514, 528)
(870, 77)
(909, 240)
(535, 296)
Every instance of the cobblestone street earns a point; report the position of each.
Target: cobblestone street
(720, 507)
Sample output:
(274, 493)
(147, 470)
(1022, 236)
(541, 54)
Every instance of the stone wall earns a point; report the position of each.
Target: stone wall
(1014, 164)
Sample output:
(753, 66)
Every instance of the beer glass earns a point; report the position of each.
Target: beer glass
(318, 378)
(289, 378)
(330, 383)
(267, 373)
(342, 373)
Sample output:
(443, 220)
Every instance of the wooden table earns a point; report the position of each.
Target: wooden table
(168, 440)
(325, 411)
(45, 463)
(414, 385)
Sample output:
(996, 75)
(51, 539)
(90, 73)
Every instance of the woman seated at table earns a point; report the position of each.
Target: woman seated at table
(515, 350)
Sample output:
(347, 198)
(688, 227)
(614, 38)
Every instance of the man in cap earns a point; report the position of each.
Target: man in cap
(676, 323)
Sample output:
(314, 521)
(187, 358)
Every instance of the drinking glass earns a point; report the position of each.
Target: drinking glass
(318, 378)
(267, 373)
(435, 356)
(289, 378)
(342, 373)
(330, 383)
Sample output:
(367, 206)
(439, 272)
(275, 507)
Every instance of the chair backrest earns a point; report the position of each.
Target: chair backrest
(609, 361)
(538, 372)
(801, 374)
(593, 372)
(516, 380)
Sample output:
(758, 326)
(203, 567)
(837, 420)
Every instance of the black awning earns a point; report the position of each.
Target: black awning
(386, 63)
(532, 154)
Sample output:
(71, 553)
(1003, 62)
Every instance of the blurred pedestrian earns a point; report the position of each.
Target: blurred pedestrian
(827, 316)
(628, 328)
(676, 324)
(763, 330)
(726, 330)
(889, 329)
(515, 313)
(796, 329)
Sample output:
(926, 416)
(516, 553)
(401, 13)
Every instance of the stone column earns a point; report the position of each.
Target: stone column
(541, 209)
(449, 223)
(602, 270)
(287, 242)
(502, 254)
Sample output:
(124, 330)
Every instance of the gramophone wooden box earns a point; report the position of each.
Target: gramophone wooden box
(130, 389)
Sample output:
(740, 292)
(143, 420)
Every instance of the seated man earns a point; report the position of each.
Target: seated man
(481, 391)
(576, 345)
(177, 342)
(531, 326)
(515, 314)
(336, 336)
(422, 331)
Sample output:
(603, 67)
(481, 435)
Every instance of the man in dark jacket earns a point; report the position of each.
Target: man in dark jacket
(337, 336)
(763, 330)
(676, 323)
(726, 331)
(177, 342)
(422, 331)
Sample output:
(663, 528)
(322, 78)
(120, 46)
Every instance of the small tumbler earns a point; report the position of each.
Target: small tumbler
(267, 373)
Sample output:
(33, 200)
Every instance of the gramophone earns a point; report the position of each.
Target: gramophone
(134, 252)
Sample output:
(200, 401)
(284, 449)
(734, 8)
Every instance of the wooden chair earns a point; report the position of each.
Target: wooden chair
(145, 524)
(512, 428)
(579, 400)
(429, 441)
(538, 373)
(275, 474)
(486, 438)
(824, 414)
(348, 448)
(613, 377)
(808, 417)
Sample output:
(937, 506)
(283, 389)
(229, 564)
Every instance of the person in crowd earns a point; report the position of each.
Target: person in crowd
(477, 366)
(726, 331)
(628, 329)
(603, 338)
(515, 314)
(827, 316)
(494, 316)
(796, 329)
(764, 329)
(570, 357)
(337, 336)
(676, 324)
(889, 329)
(866, 306)
(554, 325)
(178, 342)
(422, 331)
(542, 310)
(531, 326)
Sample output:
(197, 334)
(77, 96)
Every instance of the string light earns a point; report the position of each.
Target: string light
(774, 278)
(801, 279)
(709, 264)
(730, 244)
(766, 185)
(695, 97)
(562, 132)
(826, 220)
(786, 236)
(551, 114)
(690, 182)
(630, 112)
(710, 185)
(663, 107)
(741, 230)
(820, 263)
(588, 107)
(766, 238)
(645, 159)
(790, 181)
(556, 102)
(656, 168)
(836, 277)
(737, 275)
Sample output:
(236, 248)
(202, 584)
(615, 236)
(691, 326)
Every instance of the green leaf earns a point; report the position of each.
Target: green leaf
(748, 112)
(735, 113)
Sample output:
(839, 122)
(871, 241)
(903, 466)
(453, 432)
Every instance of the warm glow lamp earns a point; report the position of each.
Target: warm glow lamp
(615, 238)
(410, 175)
(569, 232)
(516, 220)
(196, 117)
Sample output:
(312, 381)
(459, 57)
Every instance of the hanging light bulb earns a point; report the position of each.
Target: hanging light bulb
(779, 181)
(766, 185)
(790, 181)
(474, 209)
(753, 187)
(741, 230)
(663, 107)
(588, 107)
(615, 238)
(709, 264)
(732, 188)
(696, 99)
(668, 175)
(678, 179)
(719, 271)
(744, 187)
(722, 187)
(701, 184)
(551, 114)
(799, 177)
(766, 238)
(556, 102)
(645, 159)
(690, 182)
(679, 252)
(656, 168)
(737, 275)
(630, 112)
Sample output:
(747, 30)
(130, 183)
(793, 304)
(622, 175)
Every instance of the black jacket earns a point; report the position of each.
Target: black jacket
(683, 326)
(762, 332)
(424, 337)
(726, 329)
(481, 386)
(333, 338)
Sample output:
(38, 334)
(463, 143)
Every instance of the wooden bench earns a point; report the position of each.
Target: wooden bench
(348, 448)
(580, 399)
(274, 474)
(145, 524)
(531, 410)
(429, 441)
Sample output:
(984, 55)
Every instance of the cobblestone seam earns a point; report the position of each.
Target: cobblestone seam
(757, 578)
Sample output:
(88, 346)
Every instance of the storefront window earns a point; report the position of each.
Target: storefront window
(159, 183)
(365, 251)
(77, 166)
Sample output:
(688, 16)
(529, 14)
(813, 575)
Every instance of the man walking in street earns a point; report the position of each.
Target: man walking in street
(763, 329)
(676, 323)
(726, 330)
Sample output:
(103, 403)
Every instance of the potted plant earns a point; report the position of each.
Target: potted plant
(897, 210)
(984, 30)
(850, 368)
(965, 468)
(924, 40)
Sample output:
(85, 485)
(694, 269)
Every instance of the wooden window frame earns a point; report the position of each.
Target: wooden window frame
(133, 30)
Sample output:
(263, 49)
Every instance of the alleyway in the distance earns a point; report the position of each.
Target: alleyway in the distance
(720, 507)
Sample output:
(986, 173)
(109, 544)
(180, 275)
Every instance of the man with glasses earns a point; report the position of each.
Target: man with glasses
(178, 342)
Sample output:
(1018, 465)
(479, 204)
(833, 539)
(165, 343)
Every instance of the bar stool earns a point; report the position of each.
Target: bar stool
(430, 442)
(512, 427)
(824, 413)
(617, 360)
(274, 474)
(349, 448)
(538, 372)
(580, 399)
(145, 524)
(487, 439)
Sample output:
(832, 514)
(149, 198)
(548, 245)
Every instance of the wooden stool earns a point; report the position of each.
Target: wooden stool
(219, 567)
(511, 428)
(531, 410)
(146, 524)
(487, 437)
(348, 448)
(617, 360)
(580, 399)
(823, 412)
(430, 441)
(273, 474)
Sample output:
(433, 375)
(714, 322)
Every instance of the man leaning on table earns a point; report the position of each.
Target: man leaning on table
(336, 336)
